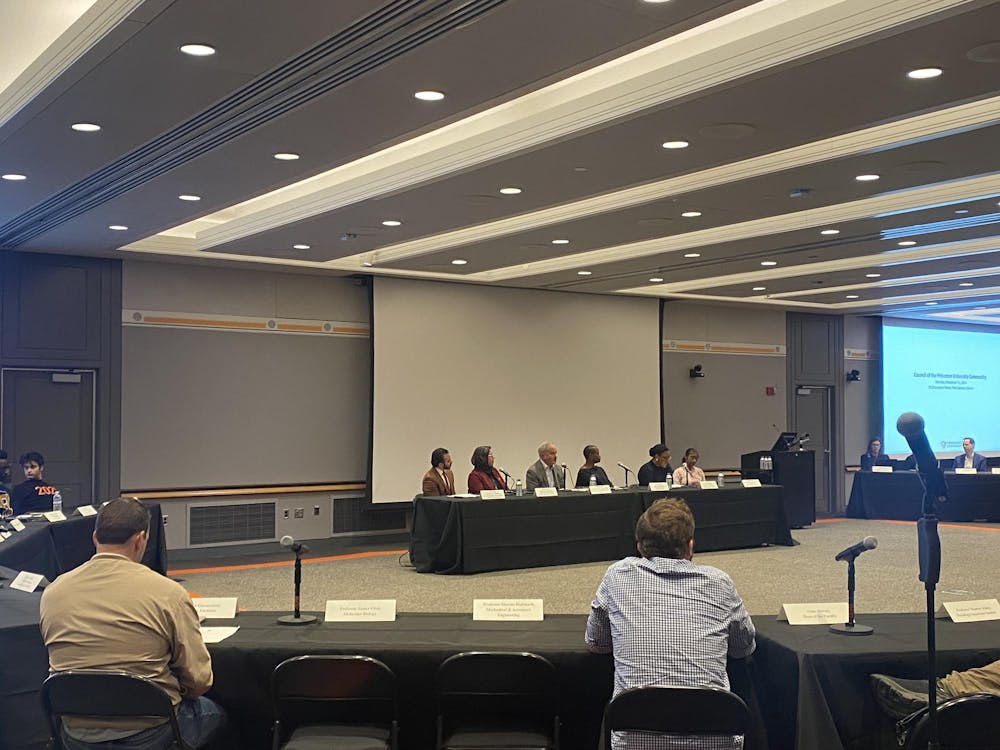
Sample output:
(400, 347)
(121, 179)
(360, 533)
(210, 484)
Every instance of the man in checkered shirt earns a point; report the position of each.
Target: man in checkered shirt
(668, 621)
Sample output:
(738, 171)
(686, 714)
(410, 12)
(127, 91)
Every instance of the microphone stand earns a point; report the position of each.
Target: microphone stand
(626, 474)
(850, 627)
(298, 618)
(929, 549)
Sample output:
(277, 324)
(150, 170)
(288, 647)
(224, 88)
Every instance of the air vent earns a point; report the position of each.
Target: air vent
(238, 522)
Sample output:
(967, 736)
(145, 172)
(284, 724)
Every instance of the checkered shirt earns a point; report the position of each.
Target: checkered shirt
(669, 622)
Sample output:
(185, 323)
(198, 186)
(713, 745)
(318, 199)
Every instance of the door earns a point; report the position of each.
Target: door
(52, 412)
(813, 410)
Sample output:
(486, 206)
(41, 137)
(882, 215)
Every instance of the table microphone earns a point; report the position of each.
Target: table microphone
(288, 542)
(869, 542)
(565, 475)
(627, 471)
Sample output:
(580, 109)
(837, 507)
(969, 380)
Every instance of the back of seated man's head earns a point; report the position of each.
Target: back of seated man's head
(665, 530)
(120, 520)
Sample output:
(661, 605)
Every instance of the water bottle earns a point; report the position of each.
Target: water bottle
(670, 481)
(593, 479)
(518, 488)
(763, 463)
(57, 501)
(720, 479)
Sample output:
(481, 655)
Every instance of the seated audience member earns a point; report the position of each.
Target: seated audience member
(439, 480)
(34, 494)
(483, 476)
(658, 468)
(667, 620)
(114, 613)
(545, 472)
(899, 698)
(969, 459)
(874, 455)
(688, 473)
(591, 457)
(6, 487)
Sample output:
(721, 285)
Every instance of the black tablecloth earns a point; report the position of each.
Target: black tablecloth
(468, 535)
(54, 548)
(23, 666)
(813, 684)
(899, 496)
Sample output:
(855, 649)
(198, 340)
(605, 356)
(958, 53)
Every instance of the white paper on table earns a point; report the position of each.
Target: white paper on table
(25, 581)
(217, 633)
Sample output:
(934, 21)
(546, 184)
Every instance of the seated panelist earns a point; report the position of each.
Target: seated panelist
(545, 472)
(969, 459)
(591, 457)
(440, 480)
(483, 476)
(658, 468)
(874, 455)
(688, 474)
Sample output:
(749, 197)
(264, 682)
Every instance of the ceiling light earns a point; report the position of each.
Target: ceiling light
(85, 127)
(286, 156)
(966, 283)
(459, 262)
(867, 177)
(429, 96)
(198, 50)
(873, 275)
(13, 177)
(392, 223)
(830, 231)
(692, 255)
(186, 197)
(850, 296)
(560, 242)
(367, 263)
(923, 73)
(656, 2)
(300, 247)
(583, 273)
(769, 262)
(579, 169)
(510, 190)
(758, 289)
(930, 303)
(676, 144)
(691, 214)
(907, 243)
(118, 227)
(656, 279)
(961, 210)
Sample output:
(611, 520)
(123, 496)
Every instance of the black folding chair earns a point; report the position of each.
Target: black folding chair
(106, 695)
(667, 710)
(507, 700)
(334, 702)
(969, 722)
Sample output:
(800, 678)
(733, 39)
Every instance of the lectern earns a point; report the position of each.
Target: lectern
(793, 470)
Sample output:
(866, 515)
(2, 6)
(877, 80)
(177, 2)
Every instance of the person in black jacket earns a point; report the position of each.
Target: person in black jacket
(591, 457)
(874, 455)
(34, 494)
(658, 468)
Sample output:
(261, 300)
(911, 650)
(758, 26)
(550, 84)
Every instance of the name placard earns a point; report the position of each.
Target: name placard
(965, 471)
(87, 510)
(813, 614)
(16, 524)
(995, 470)
(519, 610)
(25, 581)
(54, 515)
(978, 610)
(600, 489)
(492, 495)
(750, 482)
(882, 469)
(4, 536)
(708, 484)
(360, 610)
(215, 607)
(546, 492)
(659, 486)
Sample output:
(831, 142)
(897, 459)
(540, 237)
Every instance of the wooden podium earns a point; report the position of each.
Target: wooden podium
(793, 470)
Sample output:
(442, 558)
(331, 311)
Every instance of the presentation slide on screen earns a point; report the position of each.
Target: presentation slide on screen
(950, 378)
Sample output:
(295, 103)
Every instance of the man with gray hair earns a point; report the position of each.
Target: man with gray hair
(545, 472)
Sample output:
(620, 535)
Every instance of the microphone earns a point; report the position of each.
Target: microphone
(911, 426)
(565, 475)
(627, 471)
(869, 542)
(503, 471)
(288, 542)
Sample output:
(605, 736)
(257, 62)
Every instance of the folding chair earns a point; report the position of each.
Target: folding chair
(969, 722)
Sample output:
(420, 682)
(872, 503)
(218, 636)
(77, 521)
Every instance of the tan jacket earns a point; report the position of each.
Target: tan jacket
(435, 485)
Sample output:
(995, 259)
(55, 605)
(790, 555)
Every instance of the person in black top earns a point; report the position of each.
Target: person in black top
(874, 455)
(5, 484)
(591, 457)
(658, 468)
(33, 495)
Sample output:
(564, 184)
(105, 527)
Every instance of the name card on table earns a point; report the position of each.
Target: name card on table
(813, 614)
(882, 469)
(708, 484)
(87, 510)
(492, 495)
(600, 489)
(25, 581)
(54, 515)
(4, 536)
(995, 470)
(750, 482)
(508, 610)
(360, 610)
(978, 610)
(659, 486)
(16, 525)
(965, 471)
(546, 492)
(215, 607)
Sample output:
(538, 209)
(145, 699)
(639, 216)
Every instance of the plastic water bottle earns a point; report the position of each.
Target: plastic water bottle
(57, 501)
(670, 481)
(720, 479)
(593, 479)
(518, 488)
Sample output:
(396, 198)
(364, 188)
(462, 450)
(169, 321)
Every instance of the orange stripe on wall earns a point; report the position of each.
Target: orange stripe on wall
(299, 327)
(204, 322)
(350, 330)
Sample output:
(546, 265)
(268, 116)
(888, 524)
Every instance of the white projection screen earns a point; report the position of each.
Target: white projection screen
(460, 365)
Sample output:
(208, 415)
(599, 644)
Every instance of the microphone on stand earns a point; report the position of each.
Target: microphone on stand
(565, 475)
(288, 542)
(627, 471)
(869, 542)
(503, 471)
(851, 554)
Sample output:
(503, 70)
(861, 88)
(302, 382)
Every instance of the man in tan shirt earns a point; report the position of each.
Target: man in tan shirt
(115, 613)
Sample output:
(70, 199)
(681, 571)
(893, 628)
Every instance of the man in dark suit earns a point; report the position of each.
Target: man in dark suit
(970, 459)
(439, 480)
(545, 472)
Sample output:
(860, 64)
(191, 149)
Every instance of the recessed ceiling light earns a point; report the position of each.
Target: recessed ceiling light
(922, 73)
(187, 197)
(676, 144)
(867, 177)
(850, 296)
(961, 210)
(118, 227)
(13, 177)
(906, 243)
(367, 263)
(392, 223)
(656, 2)
(429, 96)
(873, 275)
(510, 190)
(198, 50)
(930, 303)
(830, 231)
(300, 247)
(459, 262)
(583, 273)
(769, 262)
(560, 242)
(758, 289)
(966, 283)
(655, 279)
(692, 255)
(691, 214)
(286, 156)
(85, 127)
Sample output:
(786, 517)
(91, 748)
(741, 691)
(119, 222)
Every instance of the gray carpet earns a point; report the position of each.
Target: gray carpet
(765, 577)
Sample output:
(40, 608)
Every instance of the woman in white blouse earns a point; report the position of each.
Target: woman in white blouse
(688, 473)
